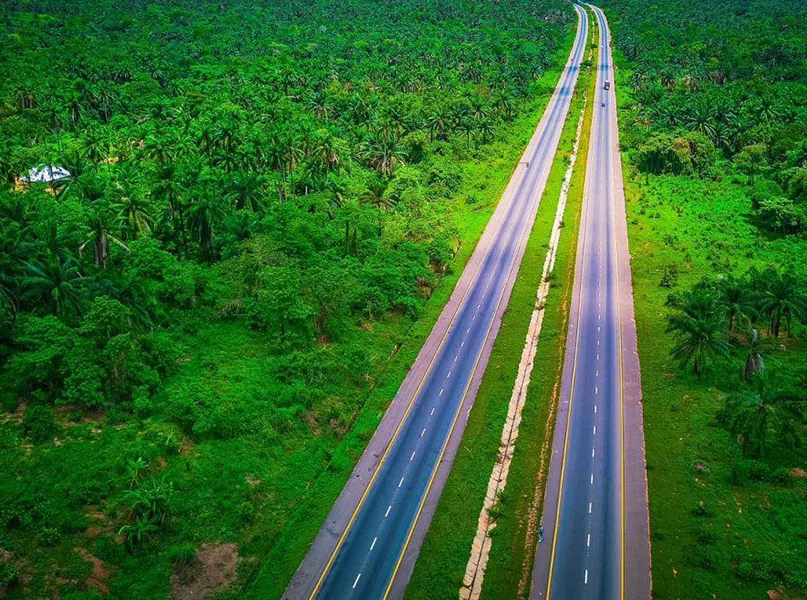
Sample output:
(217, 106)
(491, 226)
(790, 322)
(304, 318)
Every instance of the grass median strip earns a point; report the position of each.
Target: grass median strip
(443, 559)
(480, 550)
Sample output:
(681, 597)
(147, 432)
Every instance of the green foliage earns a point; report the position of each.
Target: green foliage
(39, 423)
(690, 153)
(736, 75)
(9, 576)
(149, 507)
(49, 536)
(713, 86)
(261, 201)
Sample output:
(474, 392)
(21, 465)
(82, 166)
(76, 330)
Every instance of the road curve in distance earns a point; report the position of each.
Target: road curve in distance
(596, 534)
(370, 540)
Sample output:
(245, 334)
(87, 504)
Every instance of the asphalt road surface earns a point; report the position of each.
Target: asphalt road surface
(583, 554)
(360, 549)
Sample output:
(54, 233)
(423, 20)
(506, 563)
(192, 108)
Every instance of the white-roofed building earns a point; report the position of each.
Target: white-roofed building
(46, 174)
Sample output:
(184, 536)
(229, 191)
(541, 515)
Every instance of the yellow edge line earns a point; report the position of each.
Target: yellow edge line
(400, 424)
(394, 438)
(571, 394)
(527, 233)
(621, 370)
(619, 337)
(440, 457)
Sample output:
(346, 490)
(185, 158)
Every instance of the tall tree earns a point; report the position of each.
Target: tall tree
(698, 331)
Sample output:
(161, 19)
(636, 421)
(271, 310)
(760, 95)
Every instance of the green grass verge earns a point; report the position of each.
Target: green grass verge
(445, 552)
(484, 181)
(722, 526)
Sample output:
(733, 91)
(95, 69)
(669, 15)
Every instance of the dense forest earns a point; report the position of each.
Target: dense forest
(713, 117)
(252, 203)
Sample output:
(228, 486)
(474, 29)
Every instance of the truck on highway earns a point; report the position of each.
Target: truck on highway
(607, 85)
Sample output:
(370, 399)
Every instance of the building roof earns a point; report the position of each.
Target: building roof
(46, 174)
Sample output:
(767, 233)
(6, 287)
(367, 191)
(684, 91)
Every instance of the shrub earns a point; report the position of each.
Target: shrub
(49, 536)
(9, 576)
(670, 277)
(39, 423)
(701, 511)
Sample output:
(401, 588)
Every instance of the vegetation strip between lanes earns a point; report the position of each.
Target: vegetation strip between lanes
(480, 550)
(444, 555)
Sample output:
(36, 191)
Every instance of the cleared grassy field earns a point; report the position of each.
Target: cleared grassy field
(722, 525)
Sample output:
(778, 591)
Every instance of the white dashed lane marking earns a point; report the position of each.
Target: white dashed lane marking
(389, 508)
(355, 583)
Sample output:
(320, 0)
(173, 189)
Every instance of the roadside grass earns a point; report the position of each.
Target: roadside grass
(441, 565)
(484, 181)
(722, 525)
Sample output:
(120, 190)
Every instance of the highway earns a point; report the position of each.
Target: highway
(586, 522)
(367, 547)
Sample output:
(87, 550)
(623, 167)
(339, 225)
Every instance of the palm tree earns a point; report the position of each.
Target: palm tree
(382, 153)
(437, 123)
(376, 195)
(324, 152)
(754, 347)
(701, 119)
(698, 331)
(245, 191)
(737, 303)
(763, 409)
(320, 105)
(205, 214)
(103, 220)
(468, 126)
(766, 111)
(292, 151)
(58, 280)
(169, 191)
(134, 216)
(782, 300)
(486, 128)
